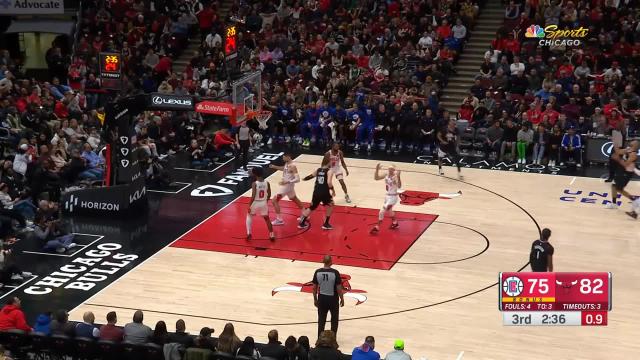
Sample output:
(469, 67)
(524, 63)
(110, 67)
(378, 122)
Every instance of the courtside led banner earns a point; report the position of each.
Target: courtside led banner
(171, 102)
(215, 108)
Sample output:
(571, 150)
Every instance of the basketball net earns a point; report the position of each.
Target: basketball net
(262, 116)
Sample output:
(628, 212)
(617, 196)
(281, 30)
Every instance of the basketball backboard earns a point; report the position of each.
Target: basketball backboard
(247, 95)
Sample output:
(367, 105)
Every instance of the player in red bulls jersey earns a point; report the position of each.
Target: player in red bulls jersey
(260, 195)
(335, 157)
(392, 183)
(290, 177)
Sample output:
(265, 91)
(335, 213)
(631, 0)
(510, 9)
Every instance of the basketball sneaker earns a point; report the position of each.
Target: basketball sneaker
(347, 198)
(633, 214)
(441, 172)
(611, 206)
(394, 225)
(248, 237)
(277, 222)
(374, 230)
(272, 237)
(327, 226)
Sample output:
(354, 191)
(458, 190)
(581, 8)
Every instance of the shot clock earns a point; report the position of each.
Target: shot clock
(555, 299)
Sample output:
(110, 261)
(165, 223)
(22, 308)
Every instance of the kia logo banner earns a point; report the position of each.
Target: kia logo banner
(171, 102)
(215, 108)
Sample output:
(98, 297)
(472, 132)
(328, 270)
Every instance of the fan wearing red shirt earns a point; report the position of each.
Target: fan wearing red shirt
(223, 141)
(609, 107)
(567, 67)
(445, 54)
(534, 115)
(34, 98)
(614, 118)
(110, 331)
(466, 111)
(318, 45)
(551, 114)
(498, 44)
(60, 109)
(21, 102)
(205, 19)
(324, 5)
(12, 316)
(163, 67)
(444, 31)
(623, 46)
(393, 9)
(512, 45)
(377, 29)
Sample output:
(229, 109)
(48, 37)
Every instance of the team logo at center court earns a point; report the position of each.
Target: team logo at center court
(358, 295)
(417, 198)
(512, 286)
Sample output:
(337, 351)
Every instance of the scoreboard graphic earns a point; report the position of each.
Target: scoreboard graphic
(560, 299)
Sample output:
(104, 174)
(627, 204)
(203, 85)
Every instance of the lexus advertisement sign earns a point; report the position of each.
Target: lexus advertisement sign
(171, 102)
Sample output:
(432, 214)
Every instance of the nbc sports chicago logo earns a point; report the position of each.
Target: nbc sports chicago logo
(552, 36)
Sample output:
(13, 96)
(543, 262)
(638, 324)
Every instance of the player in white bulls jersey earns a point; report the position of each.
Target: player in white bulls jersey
(393, 184)
(260, 195)
(335, 158)
(290, 177)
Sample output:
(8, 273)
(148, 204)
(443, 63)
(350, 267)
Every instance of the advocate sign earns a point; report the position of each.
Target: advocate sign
(19, 7)
(215, 108)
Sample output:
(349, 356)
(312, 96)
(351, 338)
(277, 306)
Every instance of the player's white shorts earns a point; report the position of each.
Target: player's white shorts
(390, 200)
(337, 172)
(259, 208)
(288, 191)
(441, 154)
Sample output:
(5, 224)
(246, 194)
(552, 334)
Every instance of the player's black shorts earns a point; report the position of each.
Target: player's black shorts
(321, 198)
(447, 150)
(621, 179)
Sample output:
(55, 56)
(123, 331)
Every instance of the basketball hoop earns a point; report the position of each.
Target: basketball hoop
(262, 116)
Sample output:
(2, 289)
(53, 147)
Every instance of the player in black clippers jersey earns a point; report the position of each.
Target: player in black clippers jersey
(448, 146)
(541, 255)
(323, 193)
(626, 160)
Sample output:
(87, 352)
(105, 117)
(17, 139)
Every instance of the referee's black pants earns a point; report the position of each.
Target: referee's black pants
(328, 304)
(244, 152)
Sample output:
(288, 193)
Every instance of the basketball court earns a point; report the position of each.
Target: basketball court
(431, 282)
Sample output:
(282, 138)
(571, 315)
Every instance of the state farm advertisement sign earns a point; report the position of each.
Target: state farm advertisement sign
(215, 108)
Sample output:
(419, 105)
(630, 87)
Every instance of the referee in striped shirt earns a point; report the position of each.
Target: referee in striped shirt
(327, 290)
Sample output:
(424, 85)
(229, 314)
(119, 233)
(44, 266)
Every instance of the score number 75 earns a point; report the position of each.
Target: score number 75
(541, 284)
(587, 286)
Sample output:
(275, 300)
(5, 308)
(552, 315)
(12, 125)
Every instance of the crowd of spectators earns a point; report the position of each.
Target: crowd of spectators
(538, 103)
(361, 73)
(178, 344)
